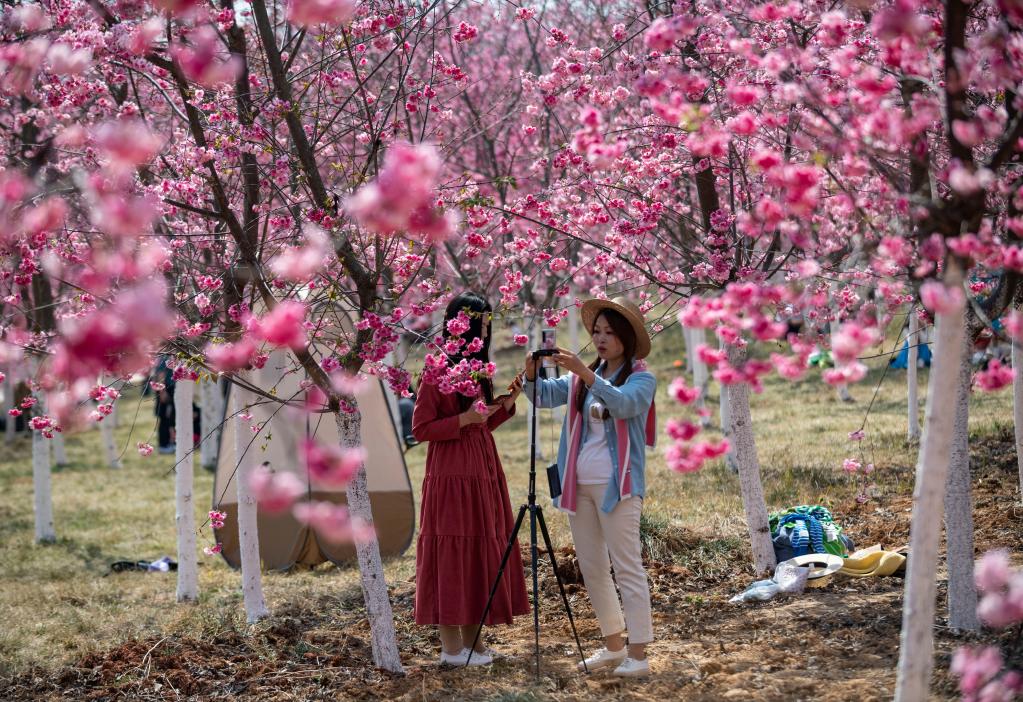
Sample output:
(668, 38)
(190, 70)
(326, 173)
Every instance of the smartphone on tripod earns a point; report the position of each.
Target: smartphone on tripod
(549, 342)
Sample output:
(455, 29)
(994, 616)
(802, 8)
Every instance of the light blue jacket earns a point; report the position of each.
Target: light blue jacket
(631, 402)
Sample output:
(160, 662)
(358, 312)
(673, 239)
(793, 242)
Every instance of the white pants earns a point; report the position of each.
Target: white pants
(602, 540)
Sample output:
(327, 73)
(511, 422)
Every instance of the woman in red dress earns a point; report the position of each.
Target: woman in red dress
(466, 516)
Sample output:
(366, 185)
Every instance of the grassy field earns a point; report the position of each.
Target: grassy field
(59, 602)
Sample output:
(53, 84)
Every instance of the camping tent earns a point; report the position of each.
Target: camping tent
(283, 541)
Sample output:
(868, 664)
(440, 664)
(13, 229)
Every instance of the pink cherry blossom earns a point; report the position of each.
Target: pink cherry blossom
(226, 358)
(204, 60)
(682, 393)
(127, 143)
(300, 264)
(275, 492)
(348, 384)
(64, 60)
(282, 326)
(333, 523)
(333, 13)
(114, 338)
(994, 377)
(145, 449)
(975, 667)
(711, 357)
(680, 430)
(331, 466)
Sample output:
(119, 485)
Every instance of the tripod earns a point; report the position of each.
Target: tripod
(535, 518)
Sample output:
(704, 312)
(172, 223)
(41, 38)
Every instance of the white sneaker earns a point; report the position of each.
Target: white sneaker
(602, 659)
(631, 668)
(455, 659)
(477, 658)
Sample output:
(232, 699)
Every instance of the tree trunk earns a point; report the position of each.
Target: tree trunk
(109, 447)
(962, 593)
(9, 421)
(916, 651)
(725, 413)
(248, 531)
(59, 450)
(1017, 407)
(371, 569)
(912, 399)
(106, 434)
(749, 469)
(45, 533)
(210, 420)
(695, 338)
(188, 560)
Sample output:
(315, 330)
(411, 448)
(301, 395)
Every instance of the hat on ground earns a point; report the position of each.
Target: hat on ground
(624, 307)
(821, 564)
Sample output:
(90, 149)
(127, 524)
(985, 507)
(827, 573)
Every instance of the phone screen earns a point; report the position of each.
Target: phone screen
(548, 340)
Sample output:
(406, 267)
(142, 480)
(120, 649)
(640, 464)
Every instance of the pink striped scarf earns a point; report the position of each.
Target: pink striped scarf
(569, 483)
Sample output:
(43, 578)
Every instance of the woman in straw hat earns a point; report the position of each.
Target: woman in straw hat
(601, 460)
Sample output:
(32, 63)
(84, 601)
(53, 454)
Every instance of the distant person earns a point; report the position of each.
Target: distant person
(164, 406)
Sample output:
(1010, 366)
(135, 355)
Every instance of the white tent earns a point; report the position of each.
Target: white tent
(283, 541)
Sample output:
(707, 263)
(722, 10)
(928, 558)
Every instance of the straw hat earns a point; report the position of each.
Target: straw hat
(624, 307)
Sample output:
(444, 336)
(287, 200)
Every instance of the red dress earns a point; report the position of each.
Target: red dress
(465, 519)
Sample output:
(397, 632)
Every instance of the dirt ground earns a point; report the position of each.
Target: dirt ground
(831, 644)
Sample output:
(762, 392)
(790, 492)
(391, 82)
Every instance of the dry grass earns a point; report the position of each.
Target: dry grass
(58, 602)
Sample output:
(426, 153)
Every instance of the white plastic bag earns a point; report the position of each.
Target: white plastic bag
(791, 578)
(760, 591)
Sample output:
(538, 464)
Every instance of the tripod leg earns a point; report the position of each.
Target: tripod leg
(561, 585)
(533, 509)
(512, 543)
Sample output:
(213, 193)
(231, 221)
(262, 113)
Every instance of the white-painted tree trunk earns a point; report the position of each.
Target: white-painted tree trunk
(1017, 407)
(210, 421)
(184, 519)
(8, 404)
(248, 527)
(916, 650)
(701, 378)
(962, 593)
(9, 422)
(43, 494)
(725, 412)
(749, 469)
(912, 393)
(57, 442)
(106, 435)
(371, 568)
(106, 430)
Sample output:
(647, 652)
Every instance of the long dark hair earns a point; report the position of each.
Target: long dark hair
(627, 335)
(479, 311)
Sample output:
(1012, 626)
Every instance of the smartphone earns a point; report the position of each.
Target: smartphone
(549, 340)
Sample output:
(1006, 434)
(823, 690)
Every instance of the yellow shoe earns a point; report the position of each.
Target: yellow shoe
(890, 564)
(863, 564)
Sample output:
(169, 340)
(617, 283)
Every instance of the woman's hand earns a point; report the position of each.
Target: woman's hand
(514, 390)
(571, 362)
(471, 416)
